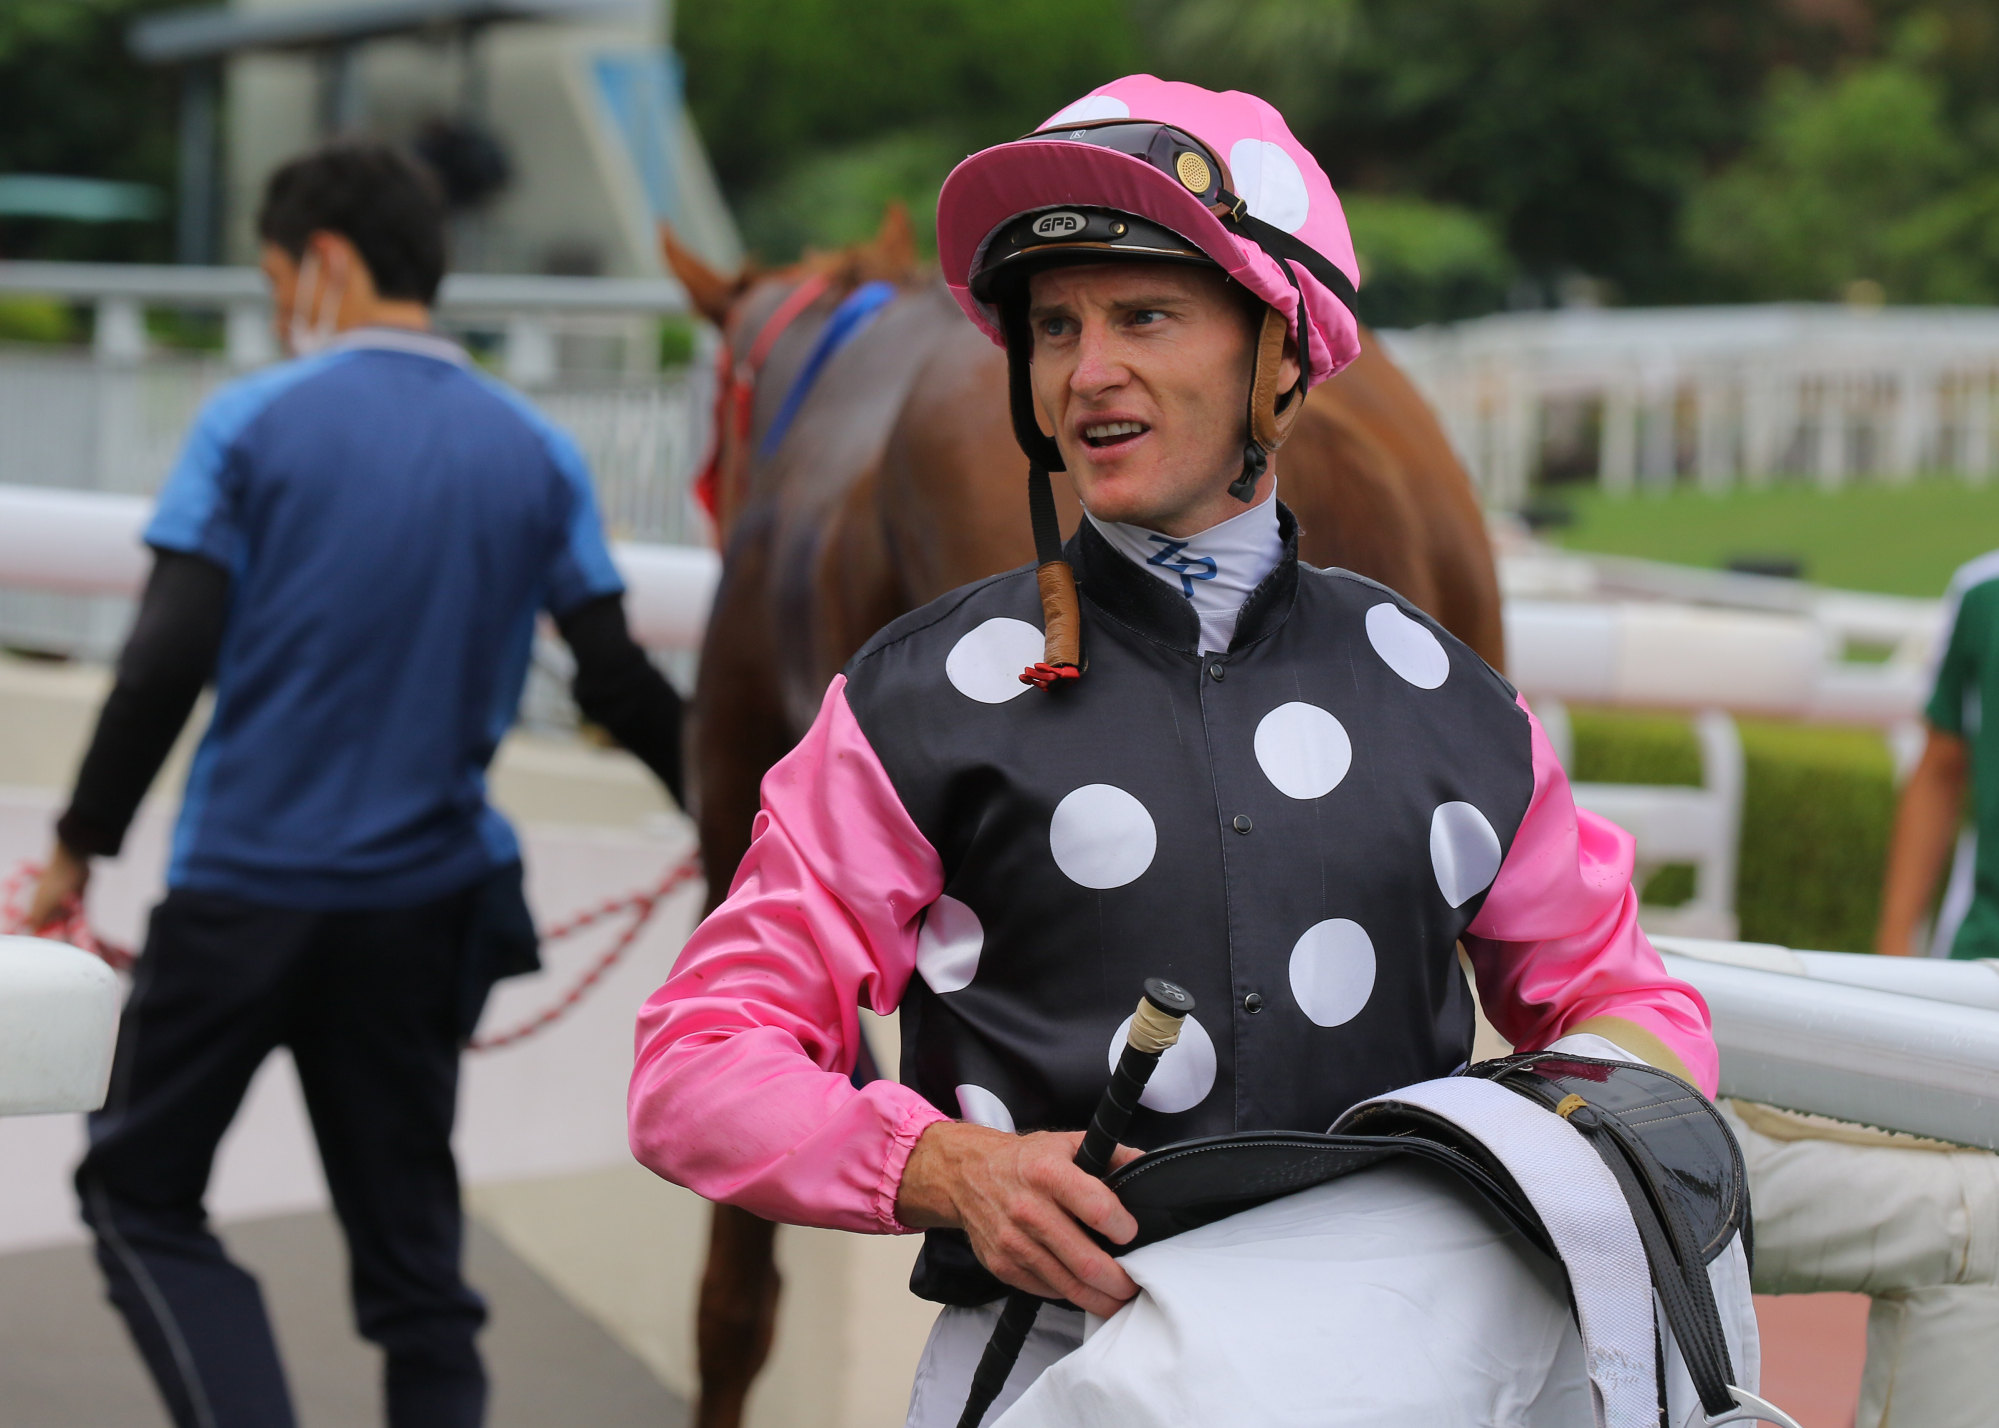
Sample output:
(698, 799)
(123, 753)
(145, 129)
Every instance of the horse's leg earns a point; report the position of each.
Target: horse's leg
(738, 1313)
(738, 734)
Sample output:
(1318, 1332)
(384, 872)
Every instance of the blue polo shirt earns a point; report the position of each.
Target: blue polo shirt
(391, 521)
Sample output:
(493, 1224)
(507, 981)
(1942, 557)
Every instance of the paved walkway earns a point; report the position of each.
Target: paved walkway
(1814, 1347)
(65, 1361)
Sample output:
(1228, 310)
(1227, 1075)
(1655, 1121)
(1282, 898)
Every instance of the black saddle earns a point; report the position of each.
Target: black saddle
(1672, 1154)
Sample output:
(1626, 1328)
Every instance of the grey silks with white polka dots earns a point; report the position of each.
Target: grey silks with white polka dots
(1297, 831)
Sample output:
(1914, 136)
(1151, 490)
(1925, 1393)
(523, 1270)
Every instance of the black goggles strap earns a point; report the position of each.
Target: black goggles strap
(1281, 245)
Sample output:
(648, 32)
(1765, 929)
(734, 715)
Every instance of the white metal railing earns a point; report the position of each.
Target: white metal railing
(1902, 1043)
(112, 416)
(531, 313)
(1717, 395)
(87, 543)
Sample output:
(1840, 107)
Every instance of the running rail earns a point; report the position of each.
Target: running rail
(1832, 1038)
(58, 1023)
(1665, 655)
(87, 543)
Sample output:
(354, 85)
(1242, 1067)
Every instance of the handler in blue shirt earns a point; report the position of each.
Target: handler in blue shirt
(354, 546)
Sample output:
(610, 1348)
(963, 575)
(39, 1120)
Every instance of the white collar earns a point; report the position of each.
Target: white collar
(1215, 568)
(399, 339)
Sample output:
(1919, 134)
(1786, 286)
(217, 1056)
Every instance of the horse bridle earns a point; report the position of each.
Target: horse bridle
(736, 386)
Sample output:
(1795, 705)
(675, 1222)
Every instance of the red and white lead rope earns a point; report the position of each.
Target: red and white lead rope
(641, 905)
(71, 926)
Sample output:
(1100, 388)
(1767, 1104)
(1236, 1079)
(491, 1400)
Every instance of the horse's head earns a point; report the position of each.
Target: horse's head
(770, 322)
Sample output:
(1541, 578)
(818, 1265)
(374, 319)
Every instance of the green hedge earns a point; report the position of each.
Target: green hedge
(1817, 809)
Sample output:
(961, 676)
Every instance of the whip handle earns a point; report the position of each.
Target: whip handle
(1002, 1352)
(1115, 1109)
(1155, 1026)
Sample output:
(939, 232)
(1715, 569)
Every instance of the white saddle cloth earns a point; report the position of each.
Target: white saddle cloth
(1393, 1296)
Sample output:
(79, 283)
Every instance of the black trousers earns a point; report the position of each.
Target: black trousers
(367, 1002)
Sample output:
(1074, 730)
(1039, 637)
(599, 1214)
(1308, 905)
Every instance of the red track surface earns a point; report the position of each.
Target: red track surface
(1813, 1348)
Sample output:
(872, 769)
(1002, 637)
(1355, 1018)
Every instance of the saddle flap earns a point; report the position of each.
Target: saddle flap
(1696, 1161)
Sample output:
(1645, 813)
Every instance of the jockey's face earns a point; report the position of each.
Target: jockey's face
(1143, 371)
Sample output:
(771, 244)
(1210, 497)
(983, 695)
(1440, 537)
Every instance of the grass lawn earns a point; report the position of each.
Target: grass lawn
(1903, 540)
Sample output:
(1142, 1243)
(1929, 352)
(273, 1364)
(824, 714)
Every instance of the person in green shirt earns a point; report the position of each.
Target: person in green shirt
(1962, 749)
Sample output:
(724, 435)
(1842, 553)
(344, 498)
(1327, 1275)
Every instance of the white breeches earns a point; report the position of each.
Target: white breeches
(958, 1339)
(1918, 1229)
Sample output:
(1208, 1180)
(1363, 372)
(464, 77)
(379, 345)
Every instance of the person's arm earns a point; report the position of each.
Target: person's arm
(618, 688)
(168, 657)
(1557, 949)
(741, 1089)
(1926, 823)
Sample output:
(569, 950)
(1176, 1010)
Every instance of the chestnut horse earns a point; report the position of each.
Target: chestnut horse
(898, 479)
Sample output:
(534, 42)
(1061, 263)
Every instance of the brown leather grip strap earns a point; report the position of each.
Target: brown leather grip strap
(1061, 614)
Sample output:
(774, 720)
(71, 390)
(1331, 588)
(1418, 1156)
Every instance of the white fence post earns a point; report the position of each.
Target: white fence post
(1916, 423)
(1714, 458)
(1617, 454)
(531, 356)
(1659, 434)
(120, 334)
(1829, 434)
(1975, 434)
(247, 339)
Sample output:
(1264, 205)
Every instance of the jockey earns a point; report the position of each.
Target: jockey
(1286, 789)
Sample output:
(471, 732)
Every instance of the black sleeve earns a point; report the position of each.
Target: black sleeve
(168, 657)
(617, 687)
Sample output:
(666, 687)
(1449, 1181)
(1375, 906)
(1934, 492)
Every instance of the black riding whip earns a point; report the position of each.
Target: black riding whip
(1155, 1026)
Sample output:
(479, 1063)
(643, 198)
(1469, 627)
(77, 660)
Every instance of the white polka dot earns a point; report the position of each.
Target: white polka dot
(986, 662)
(1303, 750)
(1464, 851)
(1407, 646)
(1332, 971)
(948, 946)
(1101, 836)
(1185, 1074)
(1269, 181)
(982, 1108)
(1090, 109)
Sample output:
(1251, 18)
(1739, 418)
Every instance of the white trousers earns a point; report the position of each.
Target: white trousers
(1916, 1228)
(958, 1340)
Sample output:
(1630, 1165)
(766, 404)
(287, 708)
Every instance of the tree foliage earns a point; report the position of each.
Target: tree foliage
(1571, 130)
(1576, 127)
(814, 113)
(72, 101)
(1862, 178)
(771, 81)
(1679, 150)
(1425, 262)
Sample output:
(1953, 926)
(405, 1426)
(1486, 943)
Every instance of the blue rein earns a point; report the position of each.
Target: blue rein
(855, 312)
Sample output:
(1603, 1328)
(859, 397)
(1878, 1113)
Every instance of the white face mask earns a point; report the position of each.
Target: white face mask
(304, 335)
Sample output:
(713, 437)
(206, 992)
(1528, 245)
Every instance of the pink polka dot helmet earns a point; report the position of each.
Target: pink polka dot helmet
(1154, 170)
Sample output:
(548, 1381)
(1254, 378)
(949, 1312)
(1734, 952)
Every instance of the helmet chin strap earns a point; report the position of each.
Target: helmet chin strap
(1061, 610)
(1272, 413)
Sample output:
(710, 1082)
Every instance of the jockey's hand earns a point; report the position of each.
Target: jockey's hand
(63, 879)
(1019, 1198)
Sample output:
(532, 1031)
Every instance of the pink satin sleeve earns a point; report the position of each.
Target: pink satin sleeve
(741, 1089)
(1558, 941)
